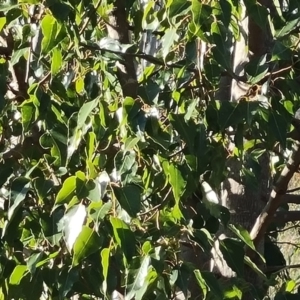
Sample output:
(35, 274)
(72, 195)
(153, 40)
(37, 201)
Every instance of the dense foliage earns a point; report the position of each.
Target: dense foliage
(96, 187)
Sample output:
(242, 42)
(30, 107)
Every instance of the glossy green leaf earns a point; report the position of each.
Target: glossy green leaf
(73, 224)
(27, 111)
(86, 244)
(278, 127)
(99, 211)
(124, 237)
(233, 253)
(2, 22)
(49, 29)
(18, 54)
(258, 12)
(67, 191)
(68, 277)
(187, 130)
(57, 61)
(137, 279)
(33, 260)
(208, 282)
(19, 189)
(43, 187)
(177, 7)
(177, 181)
(129, 198)
(105, 265)
(17, 275)
(221, 49)
(287, 28)
(257, 69)
(170, 37)
(79, 85)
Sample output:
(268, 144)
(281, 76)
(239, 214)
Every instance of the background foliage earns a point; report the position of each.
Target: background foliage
(97, 187)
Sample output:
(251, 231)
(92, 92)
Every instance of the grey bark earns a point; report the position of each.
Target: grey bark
(244, 202)
(118, 29)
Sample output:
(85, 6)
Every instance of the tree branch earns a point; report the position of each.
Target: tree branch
(282, 217)
(275, 198)
(281, 268)
(290, 198)
(118, 29)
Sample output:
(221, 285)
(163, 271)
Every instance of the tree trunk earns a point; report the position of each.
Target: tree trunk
(244, 201)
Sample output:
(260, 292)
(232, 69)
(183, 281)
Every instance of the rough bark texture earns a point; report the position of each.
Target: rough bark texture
(243, 201)
(118, 30)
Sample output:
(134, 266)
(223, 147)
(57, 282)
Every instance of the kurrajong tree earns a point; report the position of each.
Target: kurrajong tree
(147, 147)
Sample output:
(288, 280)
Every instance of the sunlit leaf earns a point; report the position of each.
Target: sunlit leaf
(56, 63)
(137, 279)
(86, 243)
(73, 223)
(19, 189)
(49, 29)
(17, 275)
(105, 265)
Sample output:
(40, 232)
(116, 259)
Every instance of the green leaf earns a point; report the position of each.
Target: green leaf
(49, 29)
(233, 292)
(129, 198)
(210, 199)
(201, 17)
(73, 223)
(85, 111)
(43, 187)
(17, 54)
(256, 69)
(170, 37)
(33, 260)
(2, 22)
(124, 237)
(105, 265)
(18, 274)
(79, 85)
(186, 130)
(287, 28)
(197, 11)
(6, 169)
(78, 125)
(13, 14)
(18, 192)
(183, 278)
(67, 192)
(66, 280)
(233, 253)
(91, 145)
(258, 13)
(177, 181)
(281, 52)
(208, 282)
(220, 51)
(177, 7)
(99, 211)
(28, 112)
(278, 126)
(290, 286)
(56, 62)
(243, 234)
(202, 283)
(86, 244)
(137, 279)
(255, 268)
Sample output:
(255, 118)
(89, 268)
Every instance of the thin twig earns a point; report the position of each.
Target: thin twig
(90, 13)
